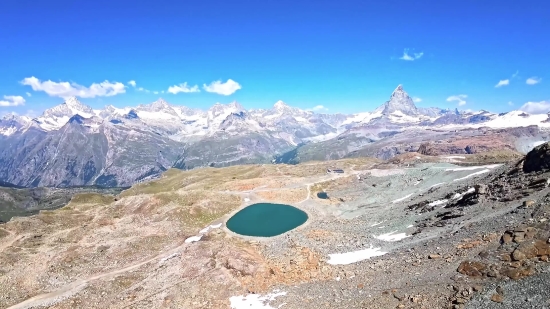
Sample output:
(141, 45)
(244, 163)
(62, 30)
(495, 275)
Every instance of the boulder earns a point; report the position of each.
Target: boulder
(471, 269)
(537, 159)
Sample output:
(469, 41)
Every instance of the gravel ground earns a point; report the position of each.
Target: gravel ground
(406, 275)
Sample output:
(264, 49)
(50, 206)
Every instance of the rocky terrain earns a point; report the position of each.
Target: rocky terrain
(415, 231)
(72, 144)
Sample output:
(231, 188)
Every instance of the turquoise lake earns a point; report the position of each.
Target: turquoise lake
(266, 220)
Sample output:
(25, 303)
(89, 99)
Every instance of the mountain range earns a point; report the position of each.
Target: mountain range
(72, 144)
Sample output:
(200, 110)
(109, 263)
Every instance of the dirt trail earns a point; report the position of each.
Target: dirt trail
(47, 299)
(10, 242)
(50, 298)
(308, 194)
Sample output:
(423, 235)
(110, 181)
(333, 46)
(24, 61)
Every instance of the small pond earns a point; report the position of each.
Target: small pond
(266, 220)
(322, 195)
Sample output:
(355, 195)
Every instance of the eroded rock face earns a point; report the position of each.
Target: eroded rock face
(537, 159)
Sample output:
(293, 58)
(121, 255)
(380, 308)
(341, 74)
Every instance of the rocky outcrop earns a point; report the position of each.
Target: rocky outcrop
(537, 159)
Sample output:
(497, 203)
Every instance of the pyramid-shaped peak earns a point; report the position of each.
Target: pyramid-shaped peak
(399, 92)
(399, 102)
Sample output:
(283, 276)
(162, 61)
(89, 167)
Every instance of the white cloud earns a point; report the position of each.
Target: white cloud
(183, 88)
(460, 99)
(143, 90)
(227, 88)
(515, 74)
(533, 80)
(66, 89)
(12, 100)
(132, 83)
(29, 94)
(417, 100)
(504, 82)
(510, 103)
(541, 107)
(319, 108)
(155, 92)
(408, 57)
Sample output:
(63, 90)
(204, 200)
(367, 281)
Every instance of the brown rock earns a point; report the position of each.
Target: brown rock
(542, 248)
(517, 255)
(478, 288)
(507, 238)
(544, 258)
(506, 257)
(497, 298)
(472, 269)
(528, 203)
(518, 273)
(532, 248)
(434, 256)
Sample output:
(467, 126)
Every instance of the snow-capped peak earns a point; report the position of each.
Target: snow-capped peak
(399, 102)
(73, 101)
(280, 105)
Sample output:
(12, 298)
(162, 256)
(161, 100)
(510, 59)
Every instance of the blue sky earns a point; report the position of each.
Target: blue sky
(343, 55)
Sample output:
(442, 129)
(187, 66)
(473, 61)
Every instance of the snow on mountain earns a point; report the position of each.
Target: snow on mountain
(11, 123)
(292, 124)
(219, 112)
(516, 119)
(399, 101)
(55, 117)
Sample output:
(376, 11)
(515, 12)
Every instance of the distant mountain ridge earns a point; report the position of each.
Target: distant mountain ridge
(72, 144)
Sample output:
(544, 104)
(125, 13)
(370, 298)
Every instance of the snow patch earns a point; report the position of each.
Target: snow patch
(8, 131)
(254, 301)
(439, 202)
(392, 236)
(193, 239)
(458, 196)
(473, 174)
(354, 256)
(471, 168)
(206, 229)
(402, 199)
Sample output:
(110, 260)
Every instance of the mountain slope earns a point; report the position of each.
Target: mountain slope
(73, 144)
